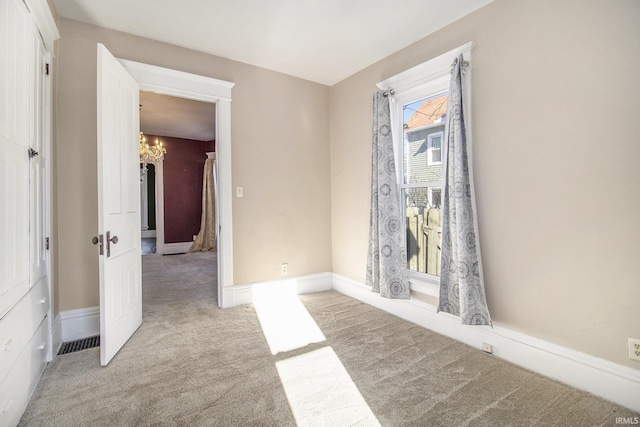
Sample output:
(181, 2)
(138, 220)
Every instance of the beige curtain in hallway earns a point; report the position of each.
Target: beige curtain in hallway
(206, 239)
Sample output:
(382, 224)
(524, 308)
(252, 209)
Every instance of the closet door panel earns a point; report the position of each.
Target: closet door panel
(16, 51)
(37, 167)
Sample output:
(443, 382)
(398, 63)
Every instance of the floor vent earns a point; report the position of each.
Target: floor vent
(83, 344)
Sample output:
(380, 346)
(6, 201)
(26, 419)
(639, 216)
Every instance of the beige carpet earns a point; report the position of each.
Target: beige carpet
(347, 363)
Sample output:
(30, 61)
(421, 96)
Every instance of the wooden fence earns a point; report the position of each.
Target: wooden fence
(424, 236)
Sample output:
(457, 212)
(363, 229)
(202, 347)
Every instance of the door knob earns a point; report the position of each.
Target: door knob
(110, 240)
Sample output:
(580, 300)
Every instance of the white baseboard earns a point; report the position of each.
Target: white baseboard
(56, 337)
(611, 381)
(174, 248)
(81, 323)
(243, 294)
(147, 233)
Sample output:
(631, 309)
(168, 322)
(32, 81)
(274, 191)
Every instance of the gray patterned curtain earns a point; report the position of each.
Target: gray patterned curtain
(461, 282)
(387, 257)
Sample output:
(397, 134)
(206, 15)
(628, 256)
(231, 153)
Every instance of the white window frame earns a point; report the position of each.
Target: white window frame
(430, 149)
(411, 85)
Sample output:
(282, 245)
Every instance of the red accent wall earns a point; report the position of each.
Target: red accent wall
(183, 168)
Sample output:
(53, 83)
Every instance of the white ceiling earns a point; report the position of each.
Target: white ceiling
(177, 117)
(324, 41)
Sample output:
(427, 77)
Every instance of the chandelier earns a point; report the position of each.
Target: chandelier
(150, 153)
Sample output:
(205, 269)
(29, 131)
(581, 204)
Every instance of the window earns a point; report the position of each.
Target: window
(434, 150)
(418, 110)
(421, 184)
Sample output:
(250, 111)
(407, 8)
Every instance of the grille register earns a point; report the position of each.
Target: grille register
(83, 344)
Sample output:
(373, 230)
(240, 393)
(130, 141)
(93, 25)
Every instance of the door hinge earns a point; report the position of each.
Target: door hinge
(46, 69)
(46, 243)
(32, 153)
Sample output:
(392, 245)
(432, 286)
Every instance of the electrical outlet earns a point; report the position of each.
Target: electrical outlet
(634, 348)
(487, 348)
(284, 268)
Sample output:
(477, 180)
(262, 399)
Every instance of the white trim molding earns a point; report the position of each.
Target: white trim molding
(200, 88)
(176, 248)
(178, 83)
(81, 323)
(159, 189)
(243, 294)
(44, 20)
(56, 337)
(423, 74)
(145, 234)
(611, 381)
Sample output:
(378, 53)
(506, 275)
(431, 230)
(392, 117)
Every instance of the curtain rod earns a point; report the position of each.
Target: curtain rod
(391, 92)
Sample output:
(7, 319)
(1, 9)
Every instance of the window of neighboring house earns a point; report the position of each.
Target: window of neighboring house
(434, 150)
(418, 110)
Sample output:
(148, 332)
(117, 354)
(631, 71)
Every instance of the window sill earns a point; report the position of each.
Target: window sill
(424, 284)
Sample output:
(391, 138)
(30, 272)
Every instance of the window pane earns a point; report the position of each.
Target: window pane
(424, 231)
(436, 142)
(434, 145)
(423, 127)
(436, 157)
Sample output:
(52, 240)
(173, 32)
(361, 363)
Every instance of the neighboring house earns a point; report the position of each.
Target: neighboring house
(424, 136)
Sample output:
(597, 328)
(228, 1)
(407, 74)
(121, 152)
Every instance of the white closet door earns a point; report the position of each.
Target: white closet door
(16, 34)
(37, 180)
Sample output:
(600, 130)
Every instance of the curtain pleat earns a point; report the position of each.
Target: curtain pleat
(462, 291)
(387, 255)
(206, 239)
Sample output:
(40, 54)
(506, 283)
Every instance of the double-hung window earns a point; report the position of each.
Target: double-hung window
(418, 111)
(421, 119)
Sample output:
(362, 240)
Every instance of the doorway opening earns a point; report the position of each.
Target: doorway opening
(171, 190)
(179, 84)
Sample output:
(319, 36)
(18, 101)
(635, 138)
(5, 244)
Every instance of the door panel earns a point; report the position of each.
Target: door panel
(38, 166)
(15, 46)
(119, 205)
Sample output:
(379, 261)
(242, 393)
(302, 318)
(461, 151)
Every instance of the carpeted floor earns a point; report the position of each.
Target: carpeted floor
(328, 361)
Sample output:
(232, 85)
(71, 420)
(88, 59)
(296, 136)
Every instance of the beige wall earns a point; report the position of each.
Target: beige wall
(557, 164)
(556, 110)
(280, 151)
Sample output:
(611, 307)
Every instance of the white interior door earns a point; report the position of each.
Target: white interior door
(118, 205)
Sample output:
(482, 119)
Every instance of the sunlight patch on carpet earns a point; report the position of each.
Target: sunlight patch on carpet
(285, 322)
(321, 392)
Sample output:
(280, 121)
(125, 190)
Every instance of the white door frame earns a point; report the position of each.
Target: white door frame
(159, 170)
(144, 203)
(191, 86)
